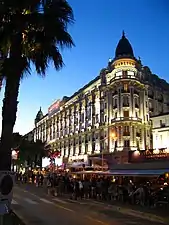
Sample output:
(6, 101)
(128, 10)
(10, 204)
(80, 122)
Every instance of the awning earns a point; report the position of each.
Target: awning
(132, 173)
(97, 158)
(138, 172)
(77, 164)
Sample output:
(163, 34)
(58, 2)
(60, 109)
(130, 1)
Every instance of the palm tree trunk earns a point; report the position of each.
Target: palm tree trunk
(9, 111)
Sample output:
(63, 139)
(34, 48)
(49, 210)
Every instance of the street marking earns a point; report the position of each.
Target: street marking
(59, 200)
(14, 202)
(56, 205)
(30, 201)
(45, 201)
(65, 208)
(95, 220)
(77, 202)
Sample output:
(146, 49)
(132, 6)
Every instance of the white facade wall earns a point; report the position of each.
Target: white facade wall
(160, 131)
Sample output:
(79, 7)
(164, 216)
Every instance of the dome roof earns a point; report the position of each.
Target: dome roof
(124, 48)
(39, 115)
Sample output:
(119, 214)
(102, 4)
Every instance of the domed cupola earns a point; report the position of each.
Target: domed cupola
(124, 48)
(39, 115)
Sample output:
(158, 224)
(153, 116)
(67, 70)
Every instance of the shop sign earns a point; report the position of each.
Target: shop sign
(147, 155)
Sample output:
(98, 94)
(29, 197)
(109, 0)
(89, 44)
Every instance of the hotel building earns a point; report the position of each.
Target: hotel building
(160, 131)
(109, 115)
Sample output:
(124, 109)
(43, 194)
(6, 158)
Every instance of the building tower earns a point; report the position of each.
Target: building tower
(129, 116)
(38, 130)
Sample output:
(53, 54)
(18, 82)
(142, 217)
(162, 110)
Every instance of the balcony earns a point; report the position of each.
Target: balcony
(123, 91)
(124, 78)
(121, 119)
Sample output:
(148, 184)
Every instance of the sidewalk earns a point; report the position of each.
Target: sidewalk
(12, 219)
(154, 215)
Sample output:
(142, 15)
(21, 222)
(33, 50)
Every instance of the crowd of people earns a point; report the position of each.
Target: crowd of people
(102, 188)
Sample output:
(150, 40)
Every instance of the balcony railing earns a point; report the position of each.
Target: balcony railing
(118, 119)
(125, 77)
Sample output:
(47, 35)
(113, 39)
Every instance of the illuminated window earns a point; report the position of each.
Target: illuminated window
(124, 73)
(126, 129)
(126, 87)
(126, 113)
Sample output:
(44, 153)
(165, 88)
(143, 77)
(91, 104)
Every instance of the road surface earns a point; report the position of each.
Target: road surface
(36, 208)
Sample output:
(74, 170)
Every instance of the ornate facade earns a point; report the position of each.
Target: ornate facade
(110, 114)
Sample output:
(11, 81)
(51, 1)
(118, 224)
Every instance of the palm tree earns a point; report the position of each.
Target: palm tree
(31, 152)
(31, 32)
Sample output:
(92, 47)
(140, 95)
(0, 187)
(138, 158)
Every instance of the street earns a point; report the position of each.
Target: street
(35, 207)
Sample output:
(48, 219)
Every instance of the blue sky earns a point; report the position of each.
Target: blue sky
(96, 32)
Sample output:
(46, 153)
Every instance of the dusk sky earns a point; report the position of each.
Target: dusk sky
(97, 29)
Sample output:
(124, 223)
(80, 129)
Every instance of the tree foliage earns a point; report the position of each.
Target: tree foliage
(39, 28)
(31, 152)
(31, 33)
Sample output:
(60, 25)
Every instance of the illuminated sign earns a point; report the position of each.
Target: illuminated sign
(54, 108)
(148, 155)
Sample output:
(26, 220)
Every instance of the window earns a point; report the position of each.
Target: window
(97, 118)
(126, 129)
(115, 101)
(147, 117)
(96, 135)
(102, 106)
(115, 115)
(126, 143)
(126, 113)
(124, 73)
(125, 101)
(82, 117)
(126, 87)
(162, 124)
